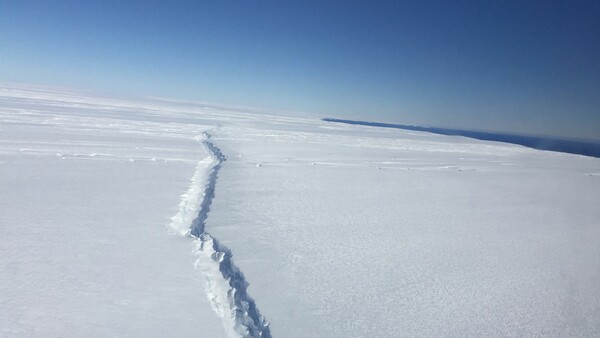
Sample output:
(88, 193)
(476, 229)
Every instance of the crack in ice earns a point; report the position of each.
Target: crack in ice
(226, 287)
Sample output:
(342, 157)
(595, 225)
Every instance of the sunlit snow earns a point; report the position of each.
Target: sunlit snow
(115, 223)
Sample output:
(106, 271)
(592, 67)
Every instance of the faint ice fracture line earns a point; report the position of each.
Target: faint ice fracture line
(226, 286)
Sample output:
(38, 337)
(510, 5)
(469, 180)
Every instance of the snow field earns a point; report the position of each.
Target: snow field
(357, 231)
(339, 230)
(83, 247)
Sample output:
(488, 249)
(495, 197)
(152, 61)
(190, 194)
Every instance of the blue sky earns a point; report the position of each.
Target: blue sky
(516, 66)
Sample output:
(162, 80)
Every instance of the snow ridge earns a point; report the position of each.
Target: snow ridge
(226, 287)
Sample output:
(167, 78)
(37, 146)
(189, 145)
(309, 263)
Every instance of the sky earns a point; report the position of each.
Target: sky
(515, 66)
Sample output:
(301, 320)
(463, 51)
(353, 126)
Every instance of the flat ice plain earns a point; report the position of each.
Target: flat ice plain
(340, 230)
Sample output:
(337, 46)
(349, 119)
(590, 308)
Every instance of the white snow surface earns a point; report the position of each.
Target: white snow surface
(121, 218)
